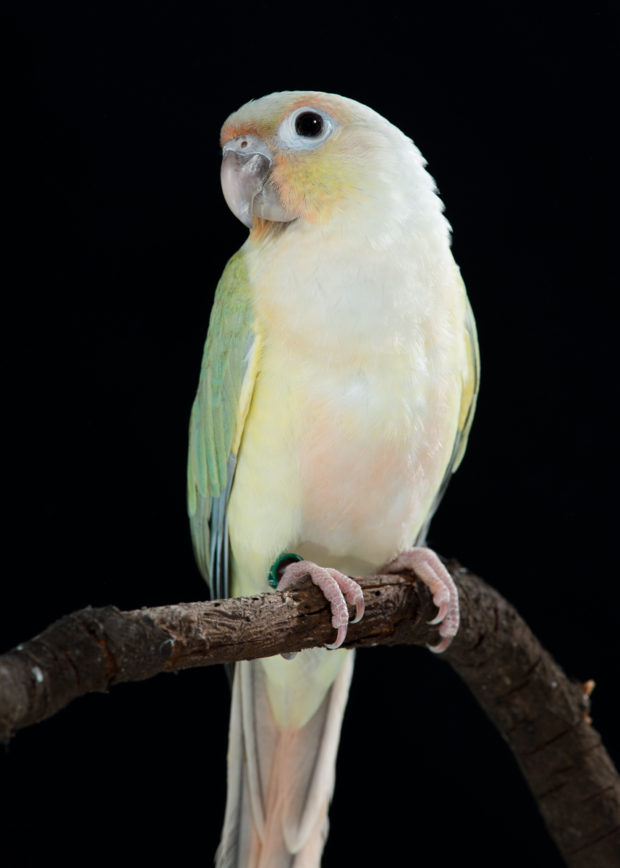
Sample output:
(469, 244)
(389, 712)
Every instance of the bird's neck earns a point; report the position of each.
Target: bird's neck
(350, 282)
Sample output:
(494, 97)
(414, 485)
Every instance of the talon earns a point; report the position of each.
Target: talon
(440, 647)
(352, 593)
(342, 633)
(443, 606)
(428, 567)
(337, 589)
(360, 608)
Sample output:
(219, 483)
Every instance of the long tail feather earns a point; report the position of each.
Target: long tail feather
(280, 779)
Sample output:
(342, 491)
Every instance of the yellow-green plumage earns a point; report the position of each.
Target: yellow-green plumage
(216, 410)
(220, 408)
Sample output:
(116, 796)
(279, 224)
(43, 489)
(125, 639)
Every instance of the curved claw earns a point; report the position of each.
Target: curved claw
(360, 608)
(352, 592)
(443, 605)
(440, 647)
(341, 636)
(337, 589)
(428, 567)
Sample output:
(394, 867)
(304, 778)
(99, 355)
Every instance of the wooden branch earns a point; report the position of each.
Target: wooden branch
(540, 713)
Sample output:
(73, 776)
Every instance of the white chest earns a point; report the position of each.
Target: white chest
(355, 409)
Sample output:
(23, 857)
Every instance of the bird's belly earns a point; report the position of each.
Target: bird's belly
(370, 466)
(340, 465)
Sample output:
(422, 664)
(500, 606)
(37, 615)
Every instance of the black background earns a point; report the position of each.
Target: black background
(118, 233)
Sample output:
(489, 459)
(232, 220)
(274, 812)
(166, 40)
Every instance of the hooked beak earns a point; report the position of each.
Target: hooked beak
(245, 177)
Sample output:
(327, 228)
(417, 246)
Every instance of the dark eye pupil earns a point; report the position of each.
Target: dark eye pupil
(309, 124)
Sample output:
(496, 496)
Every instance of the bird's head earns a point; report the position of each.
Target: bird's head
(306, 156)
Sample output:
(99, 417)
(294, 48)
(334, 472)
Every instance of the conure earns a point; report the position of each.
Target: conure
(336, 393)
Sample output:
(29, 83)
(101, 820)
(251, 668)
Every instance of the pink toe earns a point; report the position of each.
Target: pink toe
(337, 589)
(429, 568)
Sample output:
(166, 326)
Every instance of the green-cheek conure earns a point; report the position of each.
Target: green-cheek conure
(336, 393)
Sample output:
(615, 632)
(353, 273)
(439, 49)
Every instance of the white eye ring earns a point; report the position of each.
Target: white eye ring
(319, 124)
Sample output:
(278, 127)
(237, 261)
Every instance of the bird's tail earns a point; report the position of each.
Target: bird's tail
(280, 778)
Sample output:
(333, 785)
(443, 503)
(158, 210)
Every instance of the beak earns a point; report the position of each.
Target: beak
(245, 177)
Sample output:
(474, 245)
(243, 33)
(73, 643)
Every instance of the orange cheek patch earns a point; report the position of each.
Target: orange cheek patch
(283, 175)
(311, 186)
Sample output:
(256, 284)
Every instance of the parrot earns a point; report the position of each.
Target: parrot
(336, 393)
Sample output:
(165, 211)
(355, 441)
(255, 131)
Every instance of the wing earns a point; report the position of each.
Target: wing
(469, 395)
(227, 376)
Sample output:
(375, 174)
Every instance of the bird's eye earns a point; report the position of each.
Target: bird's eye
(305, 128)
(309, 125)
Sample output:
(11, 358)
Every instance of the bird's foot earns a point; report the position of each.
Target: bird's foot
(337, 588)
(427, 566)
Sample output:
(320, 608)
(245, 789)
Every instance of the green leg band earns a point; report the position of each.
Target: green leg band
(272, 578)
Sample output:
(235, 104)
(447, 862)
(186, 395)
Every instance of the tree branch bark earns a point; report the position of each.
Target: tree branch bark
(541, 714)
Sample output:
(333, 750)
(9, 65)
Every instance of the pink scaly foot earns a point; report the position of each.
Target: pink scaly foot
(427, 566)
(337, 588)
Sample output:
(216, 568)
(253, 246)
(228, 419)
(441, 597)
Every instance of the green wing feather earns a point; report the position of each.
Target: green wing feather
(227, 374)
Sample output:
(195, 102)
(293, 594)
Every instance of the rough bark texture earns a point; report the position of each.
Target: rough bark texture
(540, 713)
(543, 716)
